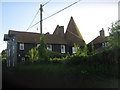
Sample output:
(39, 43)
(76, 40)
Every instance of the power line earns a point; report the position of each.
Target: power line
(61, 10)
(36, 15)
(46, 3)
(56, 13)
(51, 18)
(33, 20)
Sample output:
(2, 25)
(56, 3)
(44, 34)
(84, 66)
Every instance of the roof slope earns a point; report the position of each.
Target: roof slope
(73, 34)
(99, 39)
(59, 31)
(30, 37)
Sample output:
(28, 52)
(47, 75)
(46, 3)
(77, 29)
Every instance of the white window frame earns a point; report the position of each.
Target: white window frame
(21, 46)
(73, 50)
(49, 47)
(108, 44)
(38, 45)
(62, 48)
(103, 44)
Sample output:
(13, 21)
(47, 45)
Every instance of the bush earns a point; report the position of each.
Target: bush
(81, 52)
(33, 54)
(55, 54)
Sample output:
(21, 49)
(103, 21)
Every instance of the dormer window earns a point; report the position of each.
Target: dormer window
(21, 46)
(49, 47)
(62, 48)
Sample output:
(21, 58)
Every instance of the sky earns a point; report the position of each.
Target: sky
(90, 16)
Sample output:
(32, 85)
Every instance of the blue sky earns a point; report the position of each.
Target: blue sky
(90, 16)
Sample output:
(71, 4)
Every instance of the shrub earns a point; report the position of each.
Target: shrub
(33, 54)
(81, 52)
(55, 54)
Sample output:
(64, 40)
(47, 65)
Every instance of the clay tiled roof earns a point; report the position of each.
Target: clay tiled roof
(99, 39)
(59, 31)
(73, 34)
(29, 37)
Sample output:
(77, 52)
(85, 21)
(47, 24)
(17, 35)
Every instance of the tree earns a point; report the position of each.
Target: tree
(39, 53)
(43, 52)
(77, 49)
(85, 50)
(3, 53)
(114, 35)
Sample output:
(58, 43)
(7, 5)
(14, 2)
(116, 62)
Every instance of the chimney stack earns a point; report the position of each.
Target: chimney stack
(59, 31)
(102, 33)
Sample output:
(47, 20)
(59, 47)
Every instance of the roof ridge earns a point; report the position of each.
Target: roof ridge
(23, 32)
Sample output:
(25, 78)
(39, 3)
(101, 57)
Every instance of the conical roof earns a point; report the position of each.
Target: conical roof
(73, 34)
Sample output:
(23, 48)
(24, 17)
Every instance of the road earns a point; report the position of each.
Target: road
(25, 80)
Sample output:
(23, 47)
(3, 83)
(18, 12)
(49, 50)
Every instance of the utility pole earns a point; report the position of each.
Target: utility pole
(41, 9)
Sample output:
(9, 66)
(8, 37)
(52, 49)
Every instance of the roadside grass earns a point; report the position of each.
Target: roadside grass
(100, 70)
(55, 75)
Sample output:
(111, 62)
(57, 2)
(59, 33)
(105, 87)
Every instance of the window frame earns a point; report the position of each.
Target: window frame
(73, 50)
(38, 45)
(21, 46)
(49, 47)
(63, 49)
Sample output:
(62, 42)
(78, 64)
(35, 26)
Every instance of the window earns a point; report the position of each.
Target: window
(103, 45)
(38, 45)
(49, 47)
(21, 46)
(62, 48)
(108, 44)
(73, 50)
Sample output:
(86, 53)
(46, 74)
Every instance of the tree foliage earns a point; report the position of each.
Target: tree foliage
(40, 53)
(33, 54)
(114, 35)
(81, 52)
(43, 52)
(3, 53)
